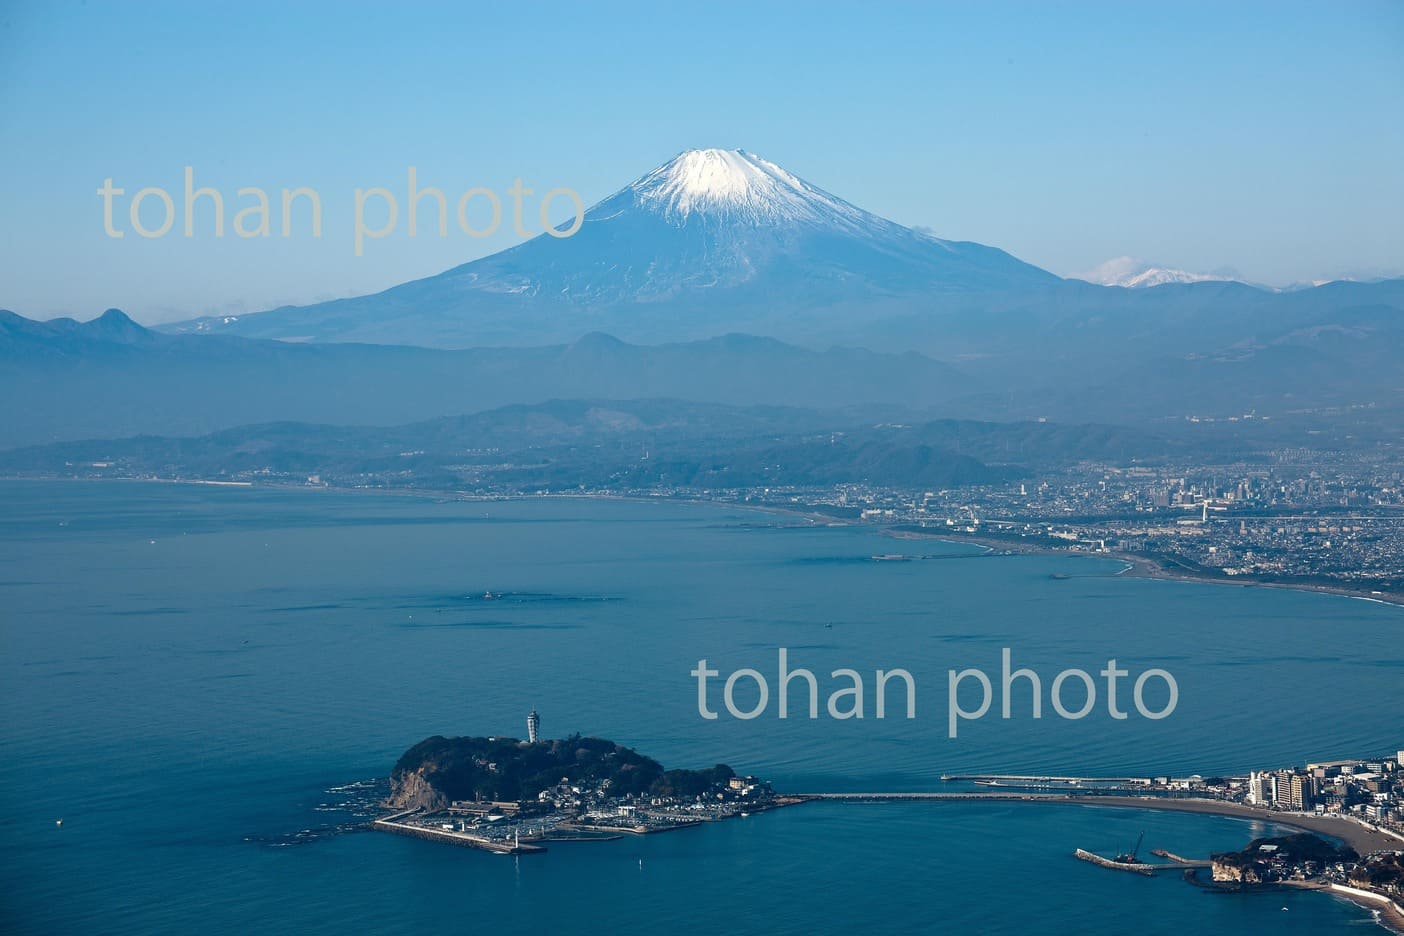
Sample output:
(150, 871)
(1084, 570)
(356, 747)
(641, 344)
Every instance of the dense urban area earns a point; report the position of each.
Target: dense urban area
(1310, 520)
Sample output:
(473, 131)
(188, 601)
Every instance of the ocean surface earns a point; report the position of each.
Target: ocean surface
(209, 684)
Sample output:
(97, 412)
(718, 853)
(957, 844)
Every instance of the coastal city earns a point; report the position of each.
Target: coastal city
(1316, 522)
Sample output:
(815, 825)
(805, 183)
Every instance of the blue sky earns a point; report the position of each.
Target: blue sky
(1267, 138)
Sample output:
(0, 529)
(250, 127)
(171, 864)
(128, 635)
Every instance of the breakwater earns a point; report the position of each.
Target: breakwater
(1134, 868)
(461, 839)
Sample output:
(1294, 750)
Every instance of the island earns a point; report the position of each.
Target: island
(510, 796)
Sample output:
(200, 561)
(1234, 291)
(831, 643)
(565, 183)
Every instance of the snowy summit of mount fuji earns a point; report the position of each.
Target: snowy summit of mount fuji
(738, 186)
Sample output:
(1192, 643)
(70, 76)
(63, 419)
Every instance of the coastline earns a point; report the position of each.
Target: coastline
(1364, 840)
(1359, 837)
(1138, 566)
(1386, 912)
(1145, 567)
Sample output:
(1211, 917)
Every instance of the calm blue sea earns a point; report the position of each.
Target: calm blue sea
(205, 683)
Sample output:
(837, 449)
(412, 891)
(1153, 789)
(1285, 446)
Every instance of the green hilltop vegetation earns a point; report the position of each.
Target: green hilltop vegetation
(1302, 846)
(506, 769)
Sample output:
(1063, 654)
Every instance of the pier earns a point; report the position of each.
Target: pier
(979, 795)
(1026, 779)
(1171, 856)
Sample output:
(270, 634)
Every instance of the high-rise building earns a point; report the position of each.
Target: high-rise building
(533, 726)
(1259, 789)
(1300, 792)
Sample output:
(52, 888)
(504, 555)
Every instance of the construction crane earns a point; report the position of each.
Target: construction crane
(1131, 857)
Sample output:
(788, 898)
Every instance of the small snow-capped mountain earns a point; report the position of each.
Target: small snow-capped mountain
(711, 241)
(1134, 273)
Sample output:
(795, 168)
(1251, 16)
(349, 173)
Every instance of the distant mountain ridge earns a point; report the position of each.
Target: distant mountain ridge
(566, 444)
(112, 377)
(1331, 350)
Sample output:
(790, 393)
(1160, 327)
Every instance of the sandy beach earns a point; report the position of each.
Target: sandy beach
(1359, 837)
(1144, 566)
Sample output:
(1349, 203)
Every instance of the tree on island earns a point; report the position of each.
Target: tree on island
(507, 769)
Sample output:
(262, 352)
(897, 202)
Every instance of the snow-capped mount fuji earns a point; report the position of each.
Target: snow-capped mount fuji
(734, 186)
(712, 241)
